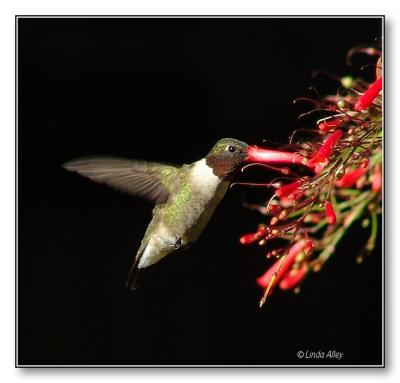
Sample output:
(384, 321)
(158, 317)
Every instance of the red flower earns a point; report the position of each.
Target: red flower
(274, 208)
(369, 95)
(321, 158)
(293, 278)
(287, 264)
(247, 239)
(297, 194)
(309, 247)
(312, 209)
(377, 179)
(350, 177)
(286, 190)
(327, 125)
(330, 213)
(285, 201)
(255, 154)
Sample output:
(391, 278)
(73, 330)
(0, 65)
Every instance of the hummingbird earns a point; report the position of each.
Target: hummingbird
(185, 196)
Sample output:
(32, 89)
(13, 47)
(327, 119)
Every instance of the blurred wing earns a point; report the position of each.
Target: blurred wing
(145, 179)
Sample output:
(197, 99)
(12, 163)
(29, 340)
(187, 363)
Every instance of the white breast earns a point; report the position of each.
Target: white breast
(203, 178)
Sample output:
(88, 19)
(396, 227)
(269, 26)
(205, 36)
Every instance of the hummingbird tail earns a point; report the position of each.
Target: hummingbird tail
(136, 274)
(147, 256)
(132, 277)
(136, 277)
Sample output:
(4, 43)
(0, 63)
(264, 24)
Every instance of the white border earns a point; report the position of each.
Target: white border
(9, 8)
(185, 366)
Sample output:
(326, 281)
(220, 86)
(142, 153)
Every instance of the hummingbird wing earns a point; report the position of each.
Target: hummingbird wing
(150, 180)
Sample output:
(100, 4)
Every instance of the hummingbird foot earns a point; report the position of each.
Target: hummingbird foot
(177, 244)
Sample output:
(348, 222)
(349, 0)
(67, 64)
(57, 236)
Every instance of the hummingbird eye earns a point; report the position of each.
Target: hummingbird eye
(231, 148)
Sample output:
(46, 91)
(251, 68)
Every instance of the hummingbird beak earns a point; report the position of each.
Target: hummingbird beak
(267, 156)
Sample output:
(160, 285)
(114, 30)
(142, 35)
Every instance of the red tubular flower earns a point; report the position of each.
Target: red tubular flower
(364, 163)
(377, 179)
(285, 201)
(250, 238)
(287, 264)
(274, 208)
(330, 213)
(309, 247)
(350, 177)
(293, 278)
(286, 190)
(327, 125)
(255, 154)
(297, 194)
(369, 95)
(321, 158)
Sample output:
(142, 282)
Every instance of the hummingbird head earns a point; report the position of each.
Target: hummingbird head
(226, 156)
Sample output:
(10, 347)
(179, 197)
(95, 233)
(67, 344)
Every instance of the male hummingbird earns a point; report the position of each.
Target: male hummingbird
(185, 196)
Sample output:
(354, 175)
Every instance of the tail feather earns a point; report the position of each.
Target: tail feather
(137, 274)
(132, 280)
(136, 277)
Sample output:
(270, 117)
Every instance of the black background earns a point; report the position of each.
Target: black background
(166, 90)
